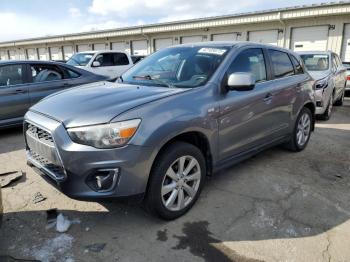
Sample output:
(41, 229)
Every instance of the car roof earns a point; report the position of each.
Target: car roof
(100, 51)
(315, 52)
(11, 62)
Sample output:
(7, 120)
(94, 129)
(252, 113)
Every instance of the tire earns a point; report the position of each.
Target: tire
(340, 101)
(327, 114)
(294, 143)
(158, 199)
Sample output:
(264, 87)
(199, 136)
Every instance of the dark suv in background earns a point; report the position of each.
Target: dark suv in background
(174, 118)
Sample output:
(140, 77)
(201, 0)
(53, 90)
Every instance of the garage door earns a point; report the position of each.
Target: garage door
(20, 54)
(162, 43)
(82, 48)
(346, 44)
(191, 39)
(12, 54)
(313, 38)
(120, 46)
(68, 52)
(32, 55)
(225, 37)
(264, 37)
(43, 54)
(139, 47)
(100, 46)
(56, 53)
(3, 55)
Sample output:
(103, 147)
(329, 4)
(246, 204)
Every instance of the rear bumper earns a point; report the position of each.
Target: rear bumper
(130, 165)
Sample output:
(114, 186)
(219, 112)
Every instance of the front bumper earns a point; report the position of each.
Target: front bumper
(71, 167)
(322, 99)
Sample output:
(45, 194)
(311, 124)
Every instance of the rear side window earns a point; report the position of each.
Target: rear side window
(45, 73)
(70, 73)
(11, 75)
(298, 68)
(250, 61)
(112, 59)
(282, 66)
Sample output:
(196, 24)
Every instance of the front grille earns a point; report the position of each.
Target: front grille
(55, 171)
(40, 134)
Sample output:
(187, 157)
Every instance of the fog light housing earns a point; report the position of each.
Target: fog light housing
(104, 180)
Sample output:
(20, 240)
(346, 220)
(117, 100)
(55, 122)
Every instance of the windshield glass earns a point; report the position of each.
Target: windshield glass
(314, 62)
(80, 59)
(185, 67)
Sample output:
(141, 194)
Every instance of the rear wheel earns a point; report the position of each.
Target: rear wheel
(340, 101)
(302, 131)
(327, 114)
(176, 180)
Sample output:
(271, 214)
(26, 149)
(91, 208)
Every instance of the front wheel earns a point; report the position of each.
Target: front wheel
(302, 131)
(176, 180)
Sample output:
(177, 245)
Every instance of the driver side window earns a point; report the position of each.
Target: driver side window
(250, 61)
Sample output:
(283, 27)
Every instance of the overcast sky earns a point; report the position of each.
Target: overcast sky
(20, 19)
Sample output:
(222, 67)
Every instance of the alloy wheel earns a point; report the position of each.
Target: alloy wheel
(181, 183)
(304, 129)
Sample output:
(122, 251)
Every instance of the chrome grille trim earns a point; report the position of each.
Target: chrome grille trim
(39, 133)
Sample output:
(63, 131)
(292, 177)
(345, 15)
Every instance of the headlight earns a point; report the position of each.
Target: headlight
(105, 136)
(323, 83)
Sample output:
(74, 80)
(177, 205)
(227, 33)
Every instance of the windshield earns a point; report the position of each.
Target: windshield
(185, 67)
(81, 59)
(314, 62)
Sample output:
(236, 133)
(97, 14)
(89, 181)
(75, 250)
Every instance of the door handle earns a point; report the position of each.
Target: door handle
(66, 84)
(268, 97)
(19, 91)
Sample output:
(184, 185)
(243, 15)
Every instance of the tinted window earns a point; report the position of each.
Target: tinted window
(297, 65)
(250, 61)
(282, 66)
(112, 59)
(316, 62)
(45, 73)
(11, 75)
(71, 73)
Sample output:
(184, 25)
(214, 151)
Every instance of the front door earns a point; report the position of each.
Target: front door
(14, 99)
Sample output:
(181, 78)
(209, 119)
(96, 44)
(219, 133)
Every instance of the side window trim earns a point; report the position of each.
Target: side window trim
(272, 65)
(23, 76)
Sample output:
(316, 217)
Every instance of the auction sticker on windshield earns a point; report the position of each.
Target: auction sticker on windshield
(212, 51)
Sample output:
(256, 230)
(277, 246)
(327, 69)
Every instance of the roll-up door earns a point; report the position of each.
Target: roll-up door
(312, 38)
(345, 54)
(264, 37)
(162, 43)
(225, 37)
(31, 53)
(82, 48)
(43, 53)
(68, 52)
(12, 54)
(191, 39)
(56, 53)
(139, 47)
(3, 55)
(100, 46)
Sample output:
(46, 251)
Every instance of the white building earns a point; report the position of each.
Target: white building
(312, 27)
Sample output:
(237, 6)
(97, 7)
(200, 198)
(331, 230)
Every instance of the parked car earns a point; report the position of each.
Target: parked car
(330, 76)
(175, 117)
(24, 83)
(137, 58)
(347, 65)
(106, 63)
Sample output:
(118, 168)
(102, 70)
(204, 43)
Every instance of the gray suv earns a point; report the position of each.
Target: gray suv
(176, 117)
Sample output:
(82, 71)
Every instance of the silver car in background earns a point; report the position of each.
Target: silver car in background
(347, 65)
(330, 75)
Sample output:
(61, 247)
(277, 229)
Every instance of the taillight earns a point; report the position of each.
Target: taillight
(348, 78)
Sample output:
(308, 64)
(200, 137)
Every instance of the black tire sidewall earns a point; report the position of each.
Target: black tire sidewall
(162, 163)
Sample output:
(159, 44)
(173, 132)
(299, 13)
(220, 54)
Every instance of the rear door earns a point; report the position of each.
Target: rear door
(45, 79)
(14, 99)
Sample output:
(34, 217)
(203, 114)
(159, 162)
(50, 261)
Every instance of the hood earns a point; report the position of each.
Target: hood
(318, 75)
(98, 103)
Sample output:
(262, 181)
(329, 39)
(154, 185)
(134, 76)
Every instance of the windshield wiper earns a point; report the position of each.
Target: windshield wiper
(152, 78)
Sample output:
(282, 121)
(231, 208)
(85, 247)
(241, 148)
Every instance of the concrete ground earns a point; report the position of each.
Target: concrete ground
(277, 206)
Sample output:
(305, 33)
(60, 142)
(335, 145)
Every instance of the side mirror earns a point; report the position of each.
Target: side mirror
(96, 64)
(241, 82)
